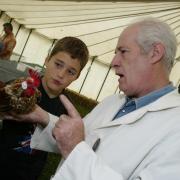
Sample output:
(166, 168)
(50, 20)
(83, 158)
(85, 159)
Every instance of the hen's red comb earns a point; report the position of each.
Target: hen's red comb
(35, 76)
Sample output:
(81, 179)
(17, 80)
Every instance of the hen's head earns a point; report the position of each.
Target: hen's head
(24, 87)
(30, 84)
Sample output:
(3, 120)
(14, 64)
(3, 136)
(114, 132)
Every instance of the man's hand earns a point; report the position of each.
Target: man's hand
(69, 129)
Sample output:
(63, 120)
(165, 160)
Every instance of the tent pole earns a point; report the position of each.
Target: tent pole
(103, 83)
(54, 40)
(89, 68)
(24, 45)
(18, 30)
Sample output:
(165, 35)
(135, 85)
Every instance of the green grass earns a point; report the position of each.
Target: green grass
(50, 167)
(54, 159)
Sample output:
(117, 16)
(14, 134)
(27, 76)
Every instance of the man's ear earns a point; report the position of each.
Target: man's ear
(157, 52)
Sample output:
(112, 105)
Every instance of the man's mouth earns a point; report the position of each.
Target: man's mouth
(120, 75)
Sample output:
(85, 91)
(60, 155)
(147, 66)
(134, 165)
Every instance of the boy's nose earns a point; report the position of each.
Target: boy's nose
(62, 72)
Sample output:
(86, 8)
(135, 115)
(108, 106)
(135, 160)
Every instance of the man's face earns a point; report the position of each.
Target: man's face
(6, 29)
(61, 70)
(130, 64)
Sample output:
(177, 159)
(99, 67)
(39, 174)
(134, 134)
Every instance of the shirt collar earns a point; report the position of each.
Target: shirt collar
(144, 100)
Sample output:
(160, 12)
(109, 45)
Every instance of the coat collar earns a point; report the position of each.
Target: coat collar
(167, 101)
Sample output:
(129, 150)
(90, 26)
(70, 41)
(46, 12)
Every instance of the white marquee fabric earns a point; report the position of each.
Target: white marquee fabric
(37, 24)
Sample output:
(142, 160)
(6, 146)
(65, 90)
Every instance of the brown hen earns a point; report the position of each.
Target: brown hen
(20, 95)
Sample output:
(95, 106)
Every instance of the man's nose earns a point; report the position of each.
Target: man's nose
(115, 61)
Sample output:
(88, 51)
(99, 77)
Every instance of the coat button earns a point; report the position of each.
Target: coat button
(96, 144)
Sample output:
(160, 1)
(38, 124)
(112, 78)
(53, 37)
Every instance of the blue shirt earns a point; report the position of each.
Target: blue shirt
(133, 104)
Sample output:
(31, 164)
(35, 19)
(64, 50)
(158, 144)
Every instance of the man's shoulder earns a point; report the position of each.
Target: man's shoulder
(168, 101)
(13, 39)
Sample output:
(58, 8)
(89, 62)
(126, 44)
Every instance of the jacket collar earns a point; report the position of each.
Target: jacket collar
(167, 101)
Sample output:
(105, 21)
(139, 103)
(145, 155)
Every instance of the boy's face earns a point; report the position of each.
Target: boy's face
(60, 71)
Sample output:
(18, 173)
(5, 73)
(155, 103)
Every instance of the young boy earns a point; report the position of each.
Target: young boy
(63, 66)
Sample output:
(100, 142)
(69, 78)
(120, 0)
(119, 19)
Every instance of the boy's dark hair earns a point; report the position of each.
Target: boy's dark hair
(8, 25)
(76, 48)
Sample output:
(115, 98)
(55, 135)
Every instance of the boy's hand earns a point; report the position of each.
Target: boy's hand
(37, 116)
(69, 129)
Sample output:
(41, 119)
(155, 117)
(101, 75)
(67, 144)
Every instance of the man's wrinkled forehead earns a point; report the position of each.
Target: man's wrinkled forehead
(128, 34)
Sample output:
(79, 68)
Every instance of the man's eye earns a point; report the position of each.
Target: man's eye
(124, 51)
(121, 50)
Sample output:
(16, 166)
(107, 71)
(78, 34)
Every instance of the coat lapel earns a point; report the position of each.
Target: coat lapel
(170, 100)
(126, 119)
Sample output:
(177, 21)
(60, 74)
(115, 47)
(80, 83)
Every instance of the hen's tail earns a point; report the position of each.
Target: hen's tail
(4, 99)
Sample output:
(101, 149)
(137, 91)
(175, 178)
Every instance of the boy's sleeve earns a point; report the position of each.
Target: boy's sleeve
(42, 138)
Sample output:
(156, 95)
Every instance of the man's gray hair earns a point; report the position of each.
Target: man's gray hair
(153, 31)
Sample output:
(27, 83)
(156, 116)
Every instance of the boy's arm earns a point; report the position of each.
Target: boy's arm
(42, 138)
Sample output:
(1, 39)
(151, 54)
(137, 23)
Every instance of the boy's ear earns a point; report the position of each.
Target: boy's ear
(78, 75)
(157, 52)
(46, 60)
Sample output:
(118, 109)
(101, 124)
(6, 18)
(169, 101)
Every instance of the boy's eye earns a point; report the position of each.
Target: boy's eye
(72, 72)
(58, 64)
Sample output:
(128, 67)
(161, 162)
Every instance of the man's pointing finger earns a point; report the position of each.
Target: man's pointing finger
(72, 112)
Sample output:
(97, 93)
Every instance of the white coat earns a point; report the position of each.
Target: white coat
(142, 145)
